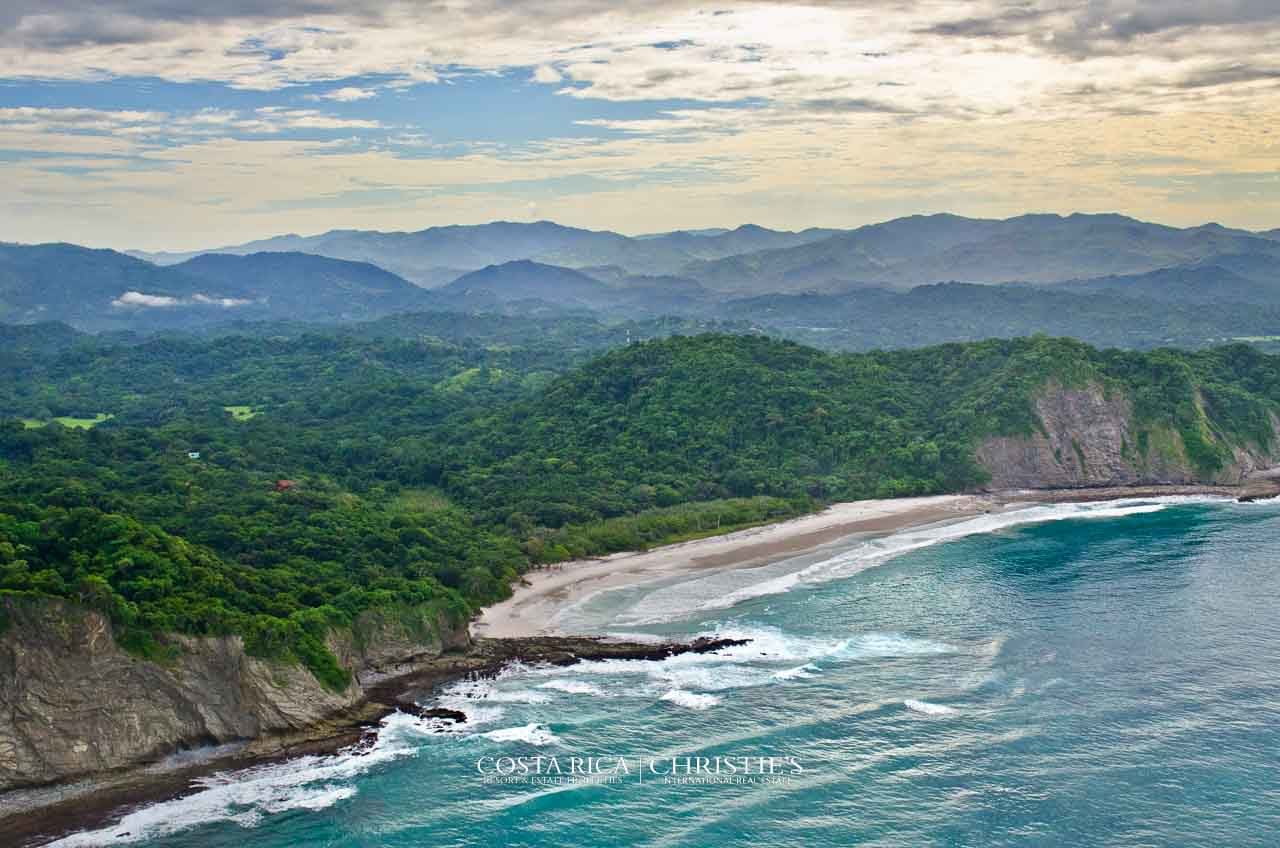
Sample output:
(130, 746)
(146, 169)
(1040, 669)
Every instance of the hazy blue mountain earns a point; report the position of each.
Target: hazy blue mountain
(66, 282)
(938, 248)
(105, 290)
(511, 282)
(525, 280)
(436, 256)
(1046, 248)
(745, 239)
(868, 318)
(1259, 267)
(902, 253)
(303, 286)
(1198, 283)
(707, 231)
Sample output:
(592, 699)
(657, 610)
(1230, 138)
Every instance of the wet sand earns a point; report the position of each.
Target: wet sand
(532, 610)
(543, 594)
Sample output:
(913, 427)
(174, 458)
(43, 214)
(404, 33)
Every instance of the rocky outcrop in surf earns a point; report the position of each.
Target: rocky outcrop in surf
(73, 703)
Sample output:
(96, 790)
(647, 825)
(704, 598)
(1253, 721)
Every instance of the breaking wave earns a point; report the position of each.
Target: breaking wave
(927, 708)
(690, 700)
(244, 797)
(530, 734)
(877, 551)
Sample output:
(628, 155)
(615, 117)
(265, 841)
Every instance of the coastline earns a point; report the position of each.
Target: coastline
(511, 631)
(543, 594)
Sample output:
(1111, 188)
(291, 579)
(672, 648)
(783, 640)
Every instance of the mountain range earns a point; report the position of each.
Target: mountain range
(438, 255)
(103, 289)
(1120, 271)
(901, 253)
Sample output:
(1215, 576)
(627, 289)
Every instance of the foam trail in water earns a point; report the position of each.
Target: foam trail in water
(573, 687)
(530, 734)
(800, 672)
(927, 708)
(690, 700)
(877, 551)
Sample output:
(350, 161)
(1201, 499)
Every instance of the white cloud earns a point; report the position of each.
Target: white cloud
(819, 112)
(346, 94)
(225, 302)
(159, 301)
(547, 75)
(149, 301)
(966, 59)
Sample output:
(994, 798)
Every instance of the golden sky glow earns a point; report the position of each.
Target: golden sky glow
(162, 124)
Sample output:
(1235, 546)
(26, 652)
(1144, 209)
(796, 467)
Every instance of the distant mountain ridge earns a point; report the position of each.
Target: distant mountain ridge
(437, 255)
(1205, 282)
(307, 286)
(920, 250)
(525, 280)
(546, 269)
(103, 289)
(904, 252)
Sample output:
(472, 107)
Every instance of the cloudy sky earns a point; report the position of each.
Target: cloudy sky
(182, 124)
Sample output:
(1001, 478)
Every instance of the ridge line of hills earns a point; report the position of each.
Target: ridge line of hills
(924, 279)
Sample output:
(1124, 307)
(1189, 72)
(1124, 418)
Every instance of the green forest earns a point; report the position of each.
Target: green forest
(277, 482)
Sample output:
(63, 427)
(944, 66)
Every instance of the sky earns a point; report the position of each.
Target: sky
(175, 124)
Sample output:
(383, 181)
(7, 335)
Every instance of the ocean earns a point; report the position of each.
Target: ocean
(1068, 675)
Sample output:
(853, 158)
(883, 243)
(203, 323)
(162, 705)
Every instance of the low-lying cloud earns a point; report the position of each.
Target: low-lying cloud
(136, 299)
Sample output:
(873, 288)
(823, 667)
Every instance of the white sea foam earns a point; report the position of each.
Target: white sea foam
(690, 700)
(573, 687)
(800, 672)
(484, 701)
(245, 796)
(755, 663)
(874, 552)
(518, 696)
(927, 708)
(873, 645)
(530, 734)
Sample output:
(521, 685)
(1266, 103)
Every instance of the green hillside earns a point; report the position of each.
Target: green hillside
(412, 475)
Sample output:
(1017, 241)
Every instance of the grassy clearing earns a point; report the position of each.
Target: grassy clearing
(68, 421)
(421, 500)
(241, 413)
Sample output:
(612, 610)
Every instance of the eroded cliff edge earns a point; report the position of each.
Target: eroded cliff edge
(73, 703)
(1089, 437)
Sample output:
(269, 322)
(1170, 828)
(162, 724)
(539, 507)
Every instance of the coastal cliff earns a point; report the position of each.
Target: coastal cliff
(1088, 437)
(74, 703)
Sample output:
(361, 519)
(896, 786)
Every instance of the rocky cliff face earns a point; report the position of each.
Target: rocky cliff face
(73, 703)
(1089, 439)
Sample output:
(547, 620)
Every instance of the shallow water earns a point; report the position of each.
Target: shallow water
(1104, 676)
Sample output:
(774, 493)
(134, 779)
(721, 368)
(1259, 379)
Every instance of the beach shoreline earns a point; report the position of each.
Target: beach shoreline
(45, 812)
(542, 595)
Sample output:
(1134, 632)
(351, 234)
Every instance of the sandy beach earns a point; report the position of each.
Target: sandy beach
(542, 594)
(532, 610)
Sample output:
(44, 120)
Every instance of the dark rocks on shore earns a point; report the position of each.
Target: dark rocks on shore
(92, 803)
(487, 657)
(443, 713)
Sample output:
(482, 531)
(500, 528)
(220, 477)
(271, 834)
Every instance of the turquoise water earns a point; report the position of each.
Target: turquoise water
(1106, 676)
